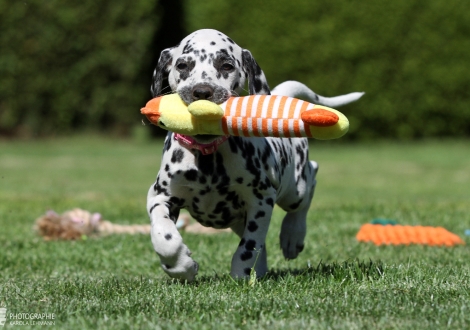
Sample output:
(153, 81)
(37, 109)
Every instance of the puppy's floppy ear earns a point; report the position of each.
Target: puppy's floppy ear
(257, 82)
(161, 71)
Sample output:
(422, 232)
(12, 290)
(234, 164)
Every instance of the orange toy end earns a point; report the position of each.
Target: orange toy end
(152, 110)
(319, 117)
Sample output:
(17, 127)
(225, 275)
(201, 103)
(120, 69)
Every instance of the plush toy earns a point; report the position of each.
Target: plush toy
(405, 235)
(254, 115)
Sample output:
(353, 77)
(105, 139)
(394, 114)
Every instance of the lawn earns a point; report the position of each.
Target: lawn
(115, 282)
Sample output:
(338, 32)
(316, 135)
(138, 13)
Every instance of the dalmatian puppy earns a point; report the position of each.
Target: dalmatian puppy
(228, 182)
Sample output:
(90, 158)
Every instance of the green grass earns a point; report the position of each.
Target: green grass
(116, 282)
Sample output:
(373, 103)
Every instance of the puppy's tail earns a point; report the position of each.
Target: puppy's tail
(299, 90)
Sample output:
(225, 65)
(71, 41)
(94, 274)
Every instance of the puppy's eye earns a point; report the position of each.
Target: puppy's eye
(182, 66)
(227, 67)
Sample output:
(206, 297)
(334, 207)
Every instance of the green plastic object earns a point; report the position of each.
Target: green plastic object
(380, 221)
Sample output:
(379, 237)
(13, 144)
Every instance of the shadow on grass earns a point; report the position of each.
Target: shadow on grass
(355, 270)
(349, 270)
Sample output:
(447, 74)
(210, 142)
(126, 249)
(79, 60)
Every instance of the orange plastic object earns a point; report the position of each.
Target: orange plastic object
(406, 235)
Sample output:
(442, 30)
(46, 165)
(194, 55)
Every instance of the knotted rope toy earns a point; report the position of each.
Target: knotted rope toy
(81, 224)
(254, 115)
(78, 224)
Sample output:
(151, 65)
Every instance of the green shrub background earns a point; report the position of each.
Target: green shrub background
(71, 66)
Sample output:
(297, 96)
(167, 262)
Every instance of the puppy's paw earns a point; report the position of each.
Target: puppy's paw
(292, 236)
(180, 266)
(291, 248)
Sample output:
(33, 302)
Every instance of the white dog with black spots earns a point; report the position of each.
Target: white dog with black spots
(228, 182)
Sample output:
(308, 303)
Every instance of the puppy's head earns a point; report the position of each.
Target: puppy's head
(208, 65)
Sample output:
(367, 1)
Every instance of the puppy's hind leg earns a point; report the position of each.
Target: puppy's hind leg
(251, 252)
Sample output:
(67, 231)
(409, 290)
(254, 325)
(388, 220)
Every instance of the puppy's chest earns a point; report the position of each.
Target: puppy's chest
(213, 200)
(214, 192)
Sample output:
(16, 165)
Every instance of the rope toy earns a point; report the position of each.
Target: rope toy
(406, 235)
(254, 115)
(78, 224)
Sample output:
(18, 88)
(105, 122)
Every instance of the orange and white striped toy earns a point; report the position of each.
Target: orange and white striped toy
(254, 115)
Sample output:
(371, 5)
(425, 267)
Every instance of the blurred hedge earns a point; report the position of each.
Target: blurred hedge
(411, 57)
(69, 65)
(72, 64)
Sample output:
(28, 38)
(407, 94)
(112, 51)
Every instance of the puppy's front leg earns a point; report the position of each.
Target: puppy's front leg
(251, 251)
(175, 256)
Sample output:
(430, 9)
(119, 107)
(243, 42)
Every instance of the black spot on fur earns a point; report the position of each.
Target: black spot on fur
(168, 237)
(212, 43)
(294, 206)
(205, 191)
(154, 206)
(219, 207)
(233, 144)
(187, 48)
(301, 154)
(242, 242)
(159, 189)
(257, 83)
(252, 226)
(250, 245)
(177, 156)
(260, 214)
(177, 201)
(205, 164)
(246, 255)
(247, 271)
(191, 175)
(239, 180)
(257, 194)
(168, 140)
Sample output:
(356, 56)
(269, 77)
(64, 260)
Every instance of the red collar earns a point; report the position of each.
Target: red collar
(205, 148)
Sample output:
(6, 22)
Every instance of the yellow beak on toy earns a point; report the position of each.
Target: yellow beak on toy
(254, 115)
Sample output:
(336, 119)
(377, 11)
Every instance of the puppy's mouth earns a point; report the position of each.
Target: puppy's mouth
(205, 138)
(207, 144)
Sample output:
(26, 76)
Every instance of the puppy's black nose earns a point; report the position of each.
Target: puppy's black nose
(202, 93)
